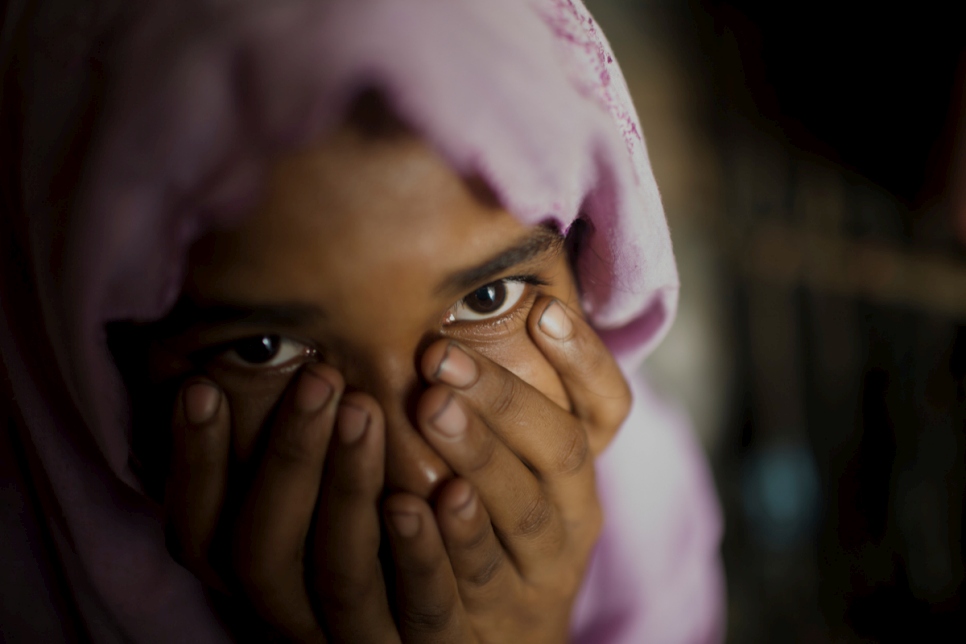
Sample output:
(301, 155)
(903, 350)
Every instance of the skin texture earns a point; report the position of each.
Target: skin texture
(471, 441)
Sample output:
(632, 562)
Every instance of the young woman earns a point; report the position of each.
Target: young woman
(369, 269)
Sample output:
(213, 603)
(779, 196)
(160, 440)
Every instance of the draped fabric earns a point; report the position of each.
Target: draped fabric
(131, 128)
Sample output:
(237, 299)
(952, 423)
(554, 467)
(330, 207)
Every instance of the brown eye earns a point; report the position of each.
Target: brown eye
(486, 299)
(265, 351)
(490, 301)
(258, 350)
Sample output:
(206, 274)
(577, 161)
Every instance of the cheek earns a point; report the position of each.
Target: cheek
(520, 356)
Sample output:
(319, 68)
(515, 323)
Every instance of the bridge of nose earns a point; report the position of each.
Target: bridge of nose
(391, 377)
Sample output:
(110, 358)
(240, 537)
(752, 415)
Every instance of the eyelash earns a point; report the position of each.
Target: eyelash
(220, 351)
(526, 280)
(310, 353)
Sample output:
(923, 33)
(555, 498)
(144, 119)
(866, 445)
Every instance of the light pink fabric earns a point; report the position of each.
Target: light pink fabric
(160, 116)
(656, 575)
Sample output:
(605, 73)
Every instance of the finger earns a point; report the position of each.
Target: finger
(523, 515)
(594, 382)
(275, 520)
(429, 606)
(348, 578)
(481, 566)
(549, 439)
(198, 479)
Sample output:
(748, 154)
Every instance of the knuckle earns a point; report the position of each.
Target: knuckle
(354, 484)
(479, 539)
(573, 454)
(504, 403)
(614, 406)
(536, 517)
(585, 529)
(567, 583)
(351, 491)
(483, 456)
(487, 569)
(295, 446)
(208, 454)
(433, 617)
(422, 567)
(587, 356)
(344, 592)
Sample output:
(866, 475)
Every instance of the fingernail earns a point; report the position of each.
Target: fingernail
(313, 392)
(467, 508)
(352, 423)
(406, 524)
(200, 402)
(555, 322)
(450, 420)
(456, 368)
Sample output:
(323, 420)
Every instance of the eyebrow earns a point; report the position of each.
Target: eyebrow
(544, 238)
(188, 314)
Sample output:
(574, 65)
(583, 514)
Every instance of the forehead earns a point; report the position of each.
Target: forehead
(351, 210)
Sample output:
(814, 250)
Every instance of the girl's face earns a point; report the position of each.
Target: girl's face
(364, 250)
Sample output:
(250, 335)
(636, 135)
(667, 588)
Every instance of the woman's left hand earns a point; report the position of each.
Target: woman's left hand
(518, 524)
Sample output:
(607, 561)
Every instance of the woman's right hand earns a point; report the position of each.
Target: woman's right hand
(300, 542)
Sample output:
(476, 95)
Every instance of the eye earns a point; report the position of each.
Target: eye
(265, 351)
(489, 301)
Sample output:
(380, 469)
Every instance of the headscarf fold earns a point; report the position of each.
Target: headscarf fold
(132, 128)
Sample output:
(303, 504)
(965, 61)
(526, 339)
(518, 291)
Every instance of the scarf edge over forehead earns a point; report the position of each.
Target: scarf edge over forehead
(200, 96)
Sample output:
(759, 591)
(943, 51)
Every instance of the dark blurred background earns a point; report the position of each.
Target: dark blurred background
(805, 155)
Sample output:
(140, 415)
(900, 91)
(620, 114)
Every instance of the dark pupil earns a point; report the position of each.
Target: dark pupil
(259, 349)
(488, 298)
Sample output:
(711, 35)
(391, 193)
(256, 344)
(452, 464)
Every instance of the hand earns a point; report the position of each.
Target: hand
(519, 523)
(323, 459)
(501, 557)
(301, 541)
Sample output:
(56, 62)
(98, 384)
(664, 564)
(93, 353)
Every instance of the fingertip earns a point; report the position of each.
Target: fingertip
(317, 386)
(200, 401)
(475, 553)
(196, 485)
(561, 333)
(326, 372)
(433, 358)
(430, 403)
(352, 421)
(201, 429)
(406, 515)
(360, 408)
(597, 390)
(425, 586)
(458, 499)
(403, 502)
(413, 535)
(555, 321)
(405, 524)
(357, 460)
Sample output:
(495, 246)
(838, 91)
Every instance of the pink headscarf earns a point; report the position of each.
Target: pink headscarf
(133, 127)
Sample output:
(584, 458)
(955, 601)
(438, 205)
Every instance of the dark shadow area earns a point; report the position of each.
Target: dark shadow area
(823, 311)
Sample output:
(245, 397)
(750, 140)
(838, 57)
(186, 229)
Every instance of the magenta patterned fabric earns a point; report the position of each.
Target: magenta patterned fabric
(132, 127)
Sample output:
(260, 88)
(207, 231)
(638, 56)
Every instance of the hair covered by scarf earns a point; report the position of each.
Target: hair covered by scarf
(129, 129)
